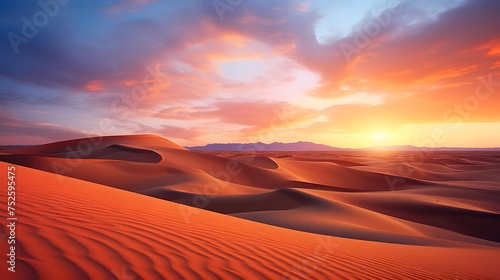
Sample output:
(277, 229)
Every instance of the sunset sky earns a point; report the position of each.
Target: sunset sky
(342, 73)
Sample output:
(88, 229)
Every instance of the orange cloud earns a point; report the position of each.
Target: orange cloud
(95, 85)
(129, 83)
(255, 115)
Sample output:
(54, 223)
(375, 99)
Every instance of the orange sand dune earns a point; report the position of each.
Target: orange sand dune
(399, 217)
(74, 229)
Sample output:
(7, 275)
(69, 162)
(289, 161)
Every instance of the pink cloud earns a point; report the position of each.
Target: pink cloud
(16, 131)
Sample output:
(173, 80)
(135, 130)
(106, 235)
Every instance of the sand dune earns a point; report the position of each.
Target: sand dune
(90, 231)
(440, 220)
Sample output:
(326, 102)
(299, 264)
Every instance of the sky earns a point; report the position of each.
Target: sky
(343, 73)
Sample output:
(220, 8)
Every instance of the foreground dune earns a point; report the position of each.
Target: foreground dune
(306, 215)
(80, 230)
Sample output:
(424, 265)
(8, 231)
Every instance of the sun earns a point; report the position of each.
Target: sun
(379, 136)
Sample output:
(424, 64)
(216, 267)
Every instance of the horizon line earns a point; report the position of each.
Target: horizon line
(380, 147)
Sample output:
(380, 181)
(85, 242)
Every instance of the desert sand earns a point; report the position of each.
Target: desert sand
(143, 207)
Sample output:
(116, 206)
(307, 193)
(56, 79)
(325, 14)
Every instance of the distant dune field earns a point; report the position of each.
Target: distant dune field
(142, 207)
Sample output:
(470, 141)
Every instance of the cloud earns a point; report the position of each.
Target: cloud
(420, 57)
(16, 131)
(170, 131)
(434, 51)
(123, 50)
(95, 85)
(255, 115)
(473, 103)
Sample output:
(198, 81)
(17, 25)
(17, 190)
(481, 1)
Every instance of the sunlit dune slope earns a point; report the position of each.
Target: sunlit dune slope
(73, 229)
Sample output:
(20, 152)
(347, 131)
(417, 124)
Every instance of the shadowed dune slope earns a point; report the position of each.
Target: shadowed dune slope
(90, 231)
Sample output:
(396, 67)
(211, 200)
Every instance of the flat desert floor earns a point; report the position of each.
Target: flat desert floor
(142, 207)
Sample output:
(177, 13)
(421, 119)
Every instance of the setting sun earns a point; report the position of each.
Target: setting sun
(379, 136)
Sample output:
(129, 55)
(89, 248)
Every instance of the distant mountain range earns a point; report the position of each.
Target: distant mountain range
(310, 146)
(297, 146)
(259, 146)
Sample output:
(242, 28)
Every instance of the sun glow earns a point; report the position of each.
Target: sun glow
(379, 136)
